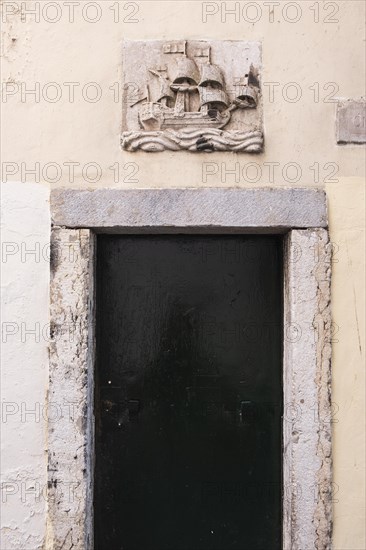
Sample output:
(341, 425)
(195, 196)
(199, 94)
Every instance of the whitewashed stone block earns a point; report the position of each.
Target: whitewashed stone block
(351, 121)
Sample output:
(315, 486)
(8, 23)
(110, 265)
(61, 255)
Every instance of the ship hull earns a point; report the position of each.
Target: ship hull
(153, 117)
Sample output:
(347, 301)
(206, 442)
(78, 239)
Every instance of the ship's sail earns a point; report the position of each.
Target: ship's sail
(186, 71)
(165, 91)
(214, 98)
(246, 96)
(211, 76)
(211, 88)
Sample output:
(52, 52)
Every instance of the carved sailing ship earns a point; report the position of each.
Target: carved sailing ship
(172, 108)
(186, 103)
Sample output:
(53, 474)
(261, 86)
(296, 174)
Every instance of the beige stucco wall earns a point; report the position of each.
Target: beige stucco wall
(323, 59)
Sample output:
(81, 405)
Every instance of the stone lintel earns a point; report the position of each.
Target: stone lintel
(205, 210)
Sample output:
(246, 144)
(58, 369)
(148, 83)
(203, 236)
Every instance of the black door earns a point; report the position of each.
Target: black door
(188, 393)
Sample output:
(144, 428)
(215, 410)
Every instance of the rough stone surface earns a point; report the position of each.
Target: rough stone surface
(351, 121)
(191, 210)
(307, 392)
(70, 438)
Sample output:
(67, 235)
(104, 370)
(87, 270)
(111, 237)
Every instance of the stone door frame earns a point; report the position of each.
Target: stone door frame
(300, 215)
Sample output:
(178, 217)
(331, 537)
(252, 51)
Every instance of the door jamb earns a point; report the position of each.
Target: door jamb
(307, 458)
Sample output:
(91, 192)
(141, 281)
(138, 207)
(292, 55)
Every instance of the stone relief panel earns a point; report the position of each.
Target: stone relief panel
(192, 95)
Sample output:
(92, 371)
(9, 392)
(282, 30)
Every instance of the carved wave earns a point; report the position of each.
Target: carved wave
(211, 139)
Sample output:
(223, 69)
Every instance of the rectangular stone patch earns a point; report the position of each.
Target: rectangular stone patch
(351, 121)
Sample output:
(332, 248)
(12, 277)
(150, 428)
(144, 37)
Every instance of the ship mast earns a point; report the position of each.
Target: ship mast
(184, 83)
(165, 93)
(212, 89)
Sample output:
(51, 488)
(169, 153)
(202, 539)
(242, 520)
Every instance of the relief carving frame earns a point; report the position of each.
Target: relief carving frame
(192, 95)
(300, 216)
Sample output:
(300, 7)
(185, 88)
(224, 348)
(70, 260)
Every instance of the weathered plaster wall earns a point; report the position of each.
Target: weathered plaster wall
(322, 59)
(346, 207)
(309, 54)
(25, 234)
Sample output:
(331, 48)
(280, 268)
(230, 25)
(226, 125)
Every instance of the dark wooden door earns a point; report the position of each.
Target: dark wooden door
(188, 393)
